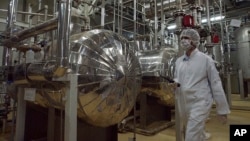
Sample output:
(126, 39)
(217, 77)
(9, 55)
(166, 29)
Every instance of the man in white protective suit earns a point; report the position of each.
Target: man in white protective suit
(200, 85)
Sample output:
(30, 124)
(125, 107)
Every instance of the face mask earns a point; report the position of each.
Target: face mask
(186, 44)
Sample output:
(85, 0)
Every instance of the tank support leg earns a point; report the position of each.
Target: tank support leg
(21, 112)
(70, 130)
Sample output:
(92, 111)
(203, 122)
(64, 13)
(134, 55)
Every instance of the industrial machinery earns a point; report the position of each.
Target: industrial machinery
(242, 40)
(102, 63)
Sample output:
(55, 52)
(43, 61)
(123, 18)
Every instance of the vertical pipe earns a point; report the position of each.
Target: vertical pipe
(70, 121)
(228, 47)
(13, 116)
(156, 25)
(121, 22)
(53, 33)
(199, 13)
(208, 14)
(103, 14)
(21, 110)
(45, 12)
(11, 19)
(86, 15)
(114, 16)
(162, 24)
(179, 5)
(64, 17)
(209, 25)
(39, 8)
(194, 11)
(30, 11)
(135, 30)
(222, 42)
(118, 16)
(241, 84)
(135, 18)
(229, 90)
(51, 124)
(144, 17)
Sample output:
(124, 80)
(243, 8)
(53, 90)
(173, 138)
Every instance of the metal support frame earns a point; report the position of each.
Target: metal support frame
(70, 129)
(179, 126)
(229, 91)
(21, 112)
(51, 124)
(241, 84)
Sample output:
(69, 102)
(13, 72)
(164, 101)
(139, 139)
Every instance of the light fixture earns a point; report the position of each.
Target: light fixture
(159, 4)
(173, 26)
(216, 18)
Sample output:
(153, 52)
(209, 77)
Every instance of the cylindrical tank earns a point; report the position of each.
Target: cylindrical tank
(108, 78)
(154, 65)
(242, 36)
(155, 62)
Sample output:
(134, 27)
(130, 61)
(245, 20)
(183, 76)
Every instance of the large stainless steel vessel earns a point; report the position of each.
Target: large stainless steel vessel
(156, 64)
(108, 77)
(242, 36)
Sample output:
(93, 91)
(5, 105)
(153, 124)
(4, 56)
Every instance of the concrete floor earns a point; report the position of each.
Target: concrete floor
(218, 131)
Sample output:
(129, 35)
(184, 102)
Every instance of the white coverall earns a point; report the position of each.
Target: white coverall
(200, 84)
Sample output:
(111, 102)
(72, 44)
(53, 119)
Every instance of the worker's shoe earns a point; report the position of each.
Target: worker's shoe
(207, 135)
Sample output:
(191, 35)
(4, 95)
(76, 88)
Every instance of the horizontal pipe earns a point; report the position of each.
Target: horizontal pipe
(27, 13)
(130, 19)
(29, 32)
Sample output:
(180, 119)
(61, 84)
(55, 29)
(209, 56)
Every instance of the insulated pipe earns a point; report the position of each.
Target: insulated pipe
(162, 24)
(135, 18)
(103, 14)
(26, 13)
(199, 13)
(121, 23)
(64, 19)
(6, 56)
(208, 15)
(222, 35)
(35, 30)
(39, 8)
(229, 90)
(208, 24)
(179, 5)
(194, 11)
(156, 25)
(135, 31)
(114, 15)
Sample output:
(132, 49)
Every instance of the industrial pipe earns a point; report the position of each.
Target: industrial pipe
(208, 15)
(209, 26)
(26, 13)
(162, 24)
(35, 30)
(156, 25)
(6, 61)
(64, 19)
(222, 35)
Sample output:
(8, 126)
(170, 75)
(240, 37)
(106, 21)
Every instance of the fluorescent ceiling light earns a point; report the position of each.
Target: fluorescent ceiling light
(159, 4)
(171, 26)
(217, 18)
